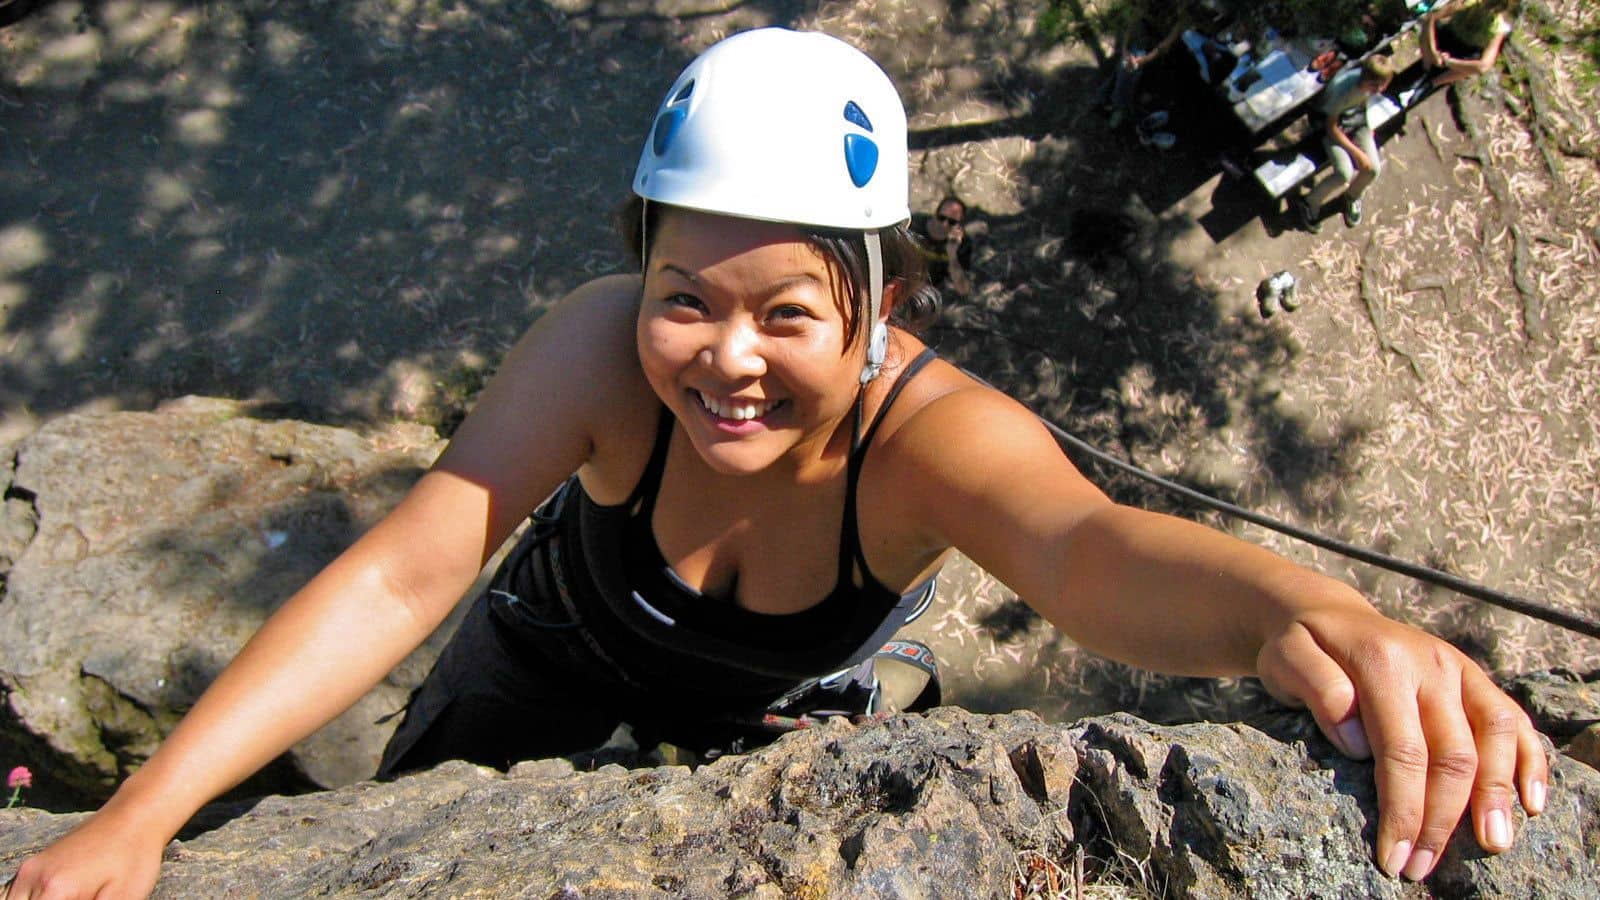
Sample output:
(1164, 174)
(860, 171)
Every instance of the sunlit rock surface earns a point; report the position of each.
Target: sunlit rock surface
(948, 805)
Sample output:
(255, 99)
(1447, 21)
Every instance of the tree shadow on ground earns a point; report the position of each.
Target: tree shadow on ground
(325, 205)
(1086, 314)
(335, 207)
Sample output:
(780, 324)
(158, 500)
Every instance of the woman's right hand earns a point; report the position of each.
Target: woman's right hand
(105, 858)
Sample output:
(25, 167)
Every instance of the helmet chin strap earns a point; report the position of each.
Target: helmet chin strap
(878, 340)
(644, 234)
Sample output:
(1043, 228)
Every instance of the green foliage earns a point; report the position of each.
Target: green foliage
(1585, 41)
(1068, 19)
(1055, 23)
(1589, 43)
(1334, 18)
(1541, 22)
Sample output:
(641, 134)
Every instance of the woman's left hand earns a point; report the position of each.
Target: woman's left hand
(1442, 734)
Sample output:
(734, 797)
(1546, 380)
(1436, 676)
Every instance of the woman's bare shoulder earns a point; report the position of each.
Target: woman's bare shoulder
(586, 339)
(960, 443)
(568, 396)
(954, 414)
(959, 464)
(943, 402)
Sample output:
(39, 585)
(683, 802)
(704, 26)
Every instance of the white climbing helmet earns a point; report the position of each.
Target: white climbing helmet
(786, 126)
(783, 126)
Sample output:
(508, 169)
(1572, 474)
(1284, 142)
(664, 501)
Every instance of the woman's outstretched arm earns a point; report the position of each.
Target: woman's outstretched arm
(318, 654)
(1175, 596)
(340, 634)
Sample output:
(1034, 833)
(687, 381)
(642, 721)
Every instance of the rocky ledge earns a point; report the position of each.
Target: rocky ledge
(950, 804)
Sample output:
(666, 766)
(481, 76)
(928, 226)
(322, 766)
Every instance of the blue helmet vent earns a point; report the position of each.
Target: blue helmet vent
(860, 157)
(666, 129)
(860, 153)
(673, 112)
(853, 113)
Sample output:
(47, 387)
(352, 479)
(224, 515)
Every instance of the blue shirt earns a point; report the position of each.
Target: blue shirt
(1343, 98)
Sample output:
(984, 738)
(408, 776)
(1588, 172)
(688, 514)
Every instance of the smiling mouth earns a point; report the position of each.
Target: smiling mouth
(736, 410)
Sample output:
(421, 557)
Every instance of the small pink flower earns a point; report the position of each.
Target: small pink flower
(19, 778)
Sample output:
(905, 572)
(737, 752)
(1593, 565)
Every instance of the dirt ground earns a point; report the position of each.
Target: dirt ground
(348, 211)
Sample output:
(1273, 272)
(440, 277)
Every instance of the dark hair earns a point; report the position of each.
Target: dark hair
(952, 198)
(1377, 69)
(903, 262)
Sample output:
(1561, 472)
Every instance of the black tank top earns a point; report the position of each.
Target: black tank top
(662, 636)
(658, 590)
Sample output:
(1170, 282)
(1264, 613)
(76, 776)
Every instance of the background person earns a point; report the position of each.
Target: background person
(1147, 30)
(744, 475)
(1461, 39)
(1349, 141)
(946, 248)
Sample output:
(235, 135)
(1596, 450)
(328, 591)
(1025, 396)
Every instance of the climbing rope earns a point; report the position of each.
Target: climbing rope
(1543, 612)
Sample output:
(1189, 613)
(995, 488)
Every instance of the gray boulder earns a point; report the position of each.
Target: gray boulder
(1561, 702)
(1566, 706)
(951, 804)
(138, 552)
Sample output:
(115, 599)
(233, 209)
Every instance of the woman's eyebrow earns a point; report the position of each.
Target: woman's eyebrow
(783, 284)
(681, 272)
(777, 286)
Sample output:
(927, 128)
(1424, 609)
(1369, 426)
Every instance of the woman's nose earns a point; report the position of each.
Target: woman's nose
(735, 352)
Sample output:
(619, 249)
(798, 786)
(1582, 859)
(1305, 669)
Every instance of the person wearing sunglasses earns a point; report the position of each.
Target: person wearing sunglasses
(945, 245)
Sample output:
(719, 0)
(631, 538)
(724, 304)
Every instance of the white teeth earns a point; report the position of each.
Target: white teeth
(738, 411)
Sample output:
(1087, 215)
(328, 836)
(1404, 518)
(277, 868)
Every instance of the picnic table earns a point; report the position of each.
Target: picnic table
(1269, 82)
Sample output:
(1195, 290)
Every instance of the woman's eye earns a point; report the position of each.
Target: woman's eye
(684, 301)
(791, 312)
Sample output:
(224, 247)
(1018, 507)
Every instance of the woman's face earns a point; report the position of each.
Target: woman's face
(742, 334)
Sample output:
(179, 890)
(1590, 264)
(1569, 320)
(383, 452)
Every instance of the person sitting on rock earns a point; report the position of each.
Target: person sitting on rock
(945, 246)
(1461, 39)
(745, 473)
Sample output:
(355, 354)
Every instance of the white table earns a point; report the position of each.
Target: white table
(1277, 83)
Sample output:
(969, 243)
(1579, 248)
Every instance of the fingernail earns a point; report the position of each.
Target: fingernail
(1421, 862)
(1536, 797)
(1397, 858)
(1354, 738)
(1497, 828)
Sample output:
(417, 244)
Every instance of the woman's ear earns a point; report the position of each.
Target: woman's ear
(893, 292)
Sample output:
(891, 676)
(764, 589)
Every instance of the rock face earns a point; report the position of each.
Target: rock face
(947, 805)
(1566, 706)
(138, 552)
(1562, 703)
